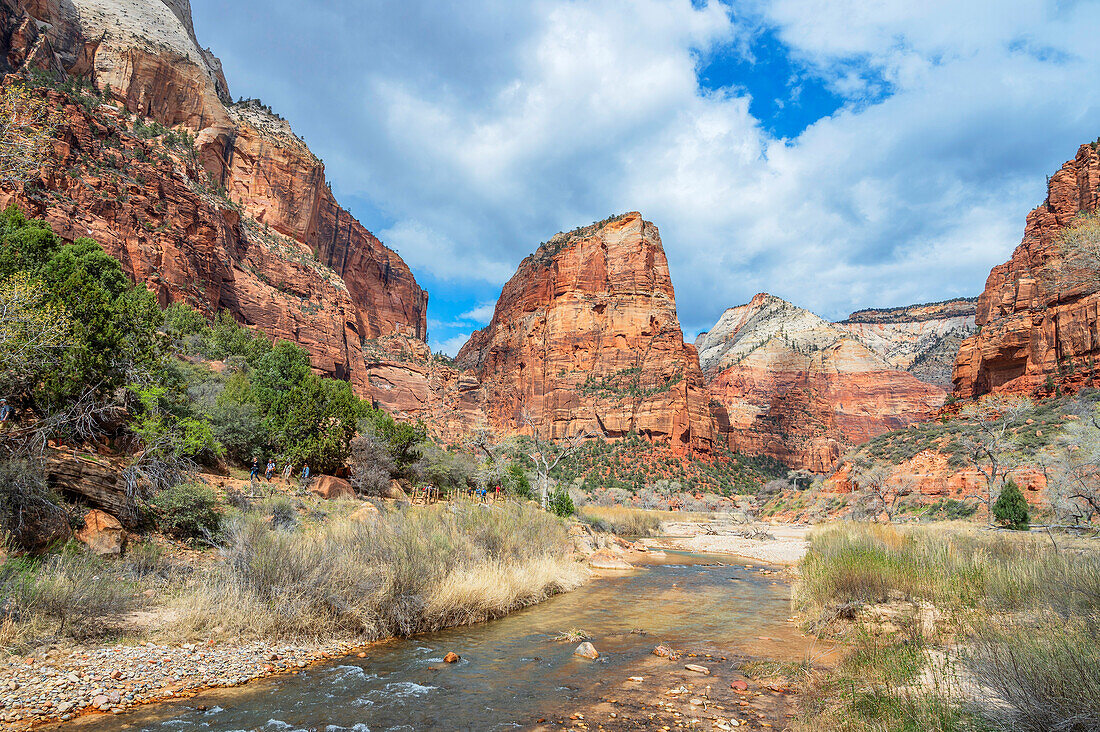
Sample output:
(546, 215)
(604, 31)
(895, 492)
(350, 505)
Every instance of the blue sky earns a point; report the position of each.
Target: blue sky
(838, 153)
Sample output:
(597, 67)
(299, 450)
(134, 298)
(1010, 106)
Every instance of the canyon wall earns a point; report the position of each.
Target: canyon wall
(800, 389)
(921, 339)
(585, 340)
(242, 219)
(1036, 326)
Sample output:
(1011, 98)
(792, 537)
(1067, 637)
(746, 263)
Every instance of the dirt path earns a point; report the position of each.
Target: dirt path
(783, 544)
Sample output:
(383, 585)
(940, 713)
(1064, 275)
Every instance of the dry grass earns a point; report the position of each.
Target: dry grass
(315, 575)
(62, 595)
(1026, 611)
(622, 520)
(399, 573)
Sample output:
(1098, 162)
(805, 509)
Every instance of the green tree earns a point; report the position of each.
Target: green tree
(1011, 508)
(519, 484)
(560, 503)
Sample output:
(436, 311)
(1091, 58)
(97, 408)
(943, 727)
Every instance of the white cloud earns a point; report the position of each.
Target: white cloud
(481, 315)
(451, 346)
(481, 130)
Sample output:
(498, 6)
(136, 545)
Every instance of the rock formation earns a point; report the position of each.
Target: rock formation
(921, 339)
(241, 219)
(1033, 325)
(790, 385)
(585, 339)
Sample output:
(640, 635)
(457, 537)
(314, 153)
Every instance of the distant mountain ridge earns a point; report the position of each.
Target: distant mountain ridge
(789, 384)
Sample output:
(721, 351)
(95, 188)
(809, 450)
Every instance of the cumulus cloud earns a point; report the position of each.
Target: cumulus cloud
(481, 315)
(477, 131)
(451, 346)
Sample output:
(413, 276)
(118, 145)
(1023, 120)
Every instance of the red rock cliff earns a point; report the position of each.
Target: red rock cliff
(259, 232)
(800, 389)
(585, 338)
(1032, 327)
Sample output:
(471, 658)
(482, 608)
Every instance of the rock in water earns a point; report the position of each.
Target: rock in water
(604, 559)
(451, 657)
(664, 651)
(698, 669)
(586, 650)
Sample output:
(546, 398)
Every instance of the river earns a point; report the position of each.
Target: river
(511, 673)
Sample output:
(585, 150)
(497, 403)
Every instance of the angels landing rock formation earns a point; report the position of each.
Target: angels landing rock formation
(797, 388)
(234, 214)
(1034, 323)
(585, 339)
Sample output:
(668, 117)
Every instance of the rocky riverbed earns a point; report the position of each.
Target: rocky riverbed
(62, 683)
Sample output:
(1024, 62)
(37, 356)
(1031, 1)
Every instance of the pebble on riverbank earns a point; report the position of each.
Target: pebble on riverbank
(60, 684)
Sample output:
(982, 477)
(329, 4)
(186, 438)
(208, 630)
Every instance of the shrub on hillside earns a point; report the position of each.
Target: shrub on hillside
(560, 503)
(519, 485)
(372, 465)
(188, 511)
(1010, 508)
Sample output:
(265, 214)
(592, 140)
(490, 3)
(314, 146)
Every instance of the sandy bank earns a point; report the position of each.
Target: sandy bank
(776, 544)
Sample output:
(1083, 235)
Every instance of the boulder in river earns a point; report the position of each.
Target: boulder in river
(451, 657)
(604, 559)
(664, 651)
(586, 650)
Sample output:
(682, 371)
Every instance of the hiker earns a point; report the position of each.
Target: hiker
(5, 410)
(287, 470)
(270, 469)
(305, 471)
(255, 468)
(496, 493)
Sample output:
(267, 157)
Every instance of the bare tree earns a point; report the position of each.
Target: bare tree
(872, 479)
(991, 445)
(547, 455)
(1075, 462)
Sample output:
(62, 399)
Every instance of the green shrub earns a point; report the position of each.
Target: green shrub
(1010, 508)
(518, 483)
(561, 503)
(188, 511)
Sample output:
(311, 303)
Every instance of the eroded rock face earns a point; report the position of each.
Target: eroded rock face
(929, 475)
(921, 339)
(797, 388)
(1033, 326)
(585, 339)
(243, 221)
(102, 534)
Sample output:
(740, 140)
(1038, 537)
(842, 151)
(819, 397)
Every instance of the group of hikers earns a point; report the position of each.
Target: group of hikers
(485, 494)
(269, 471)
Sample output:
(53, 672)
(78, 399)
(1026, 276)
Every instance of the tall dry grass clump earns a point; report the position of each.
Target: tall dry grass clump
(1025, 610)
(622, 520)
(70, 594)
(397, 573)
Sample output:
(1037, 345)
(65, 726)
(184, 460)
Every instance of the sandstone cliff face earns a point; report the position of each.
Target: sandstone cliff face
(921, 339)
(585, 339)
(144, 202)
(245, 221)
(801, 390)
(1031, 328)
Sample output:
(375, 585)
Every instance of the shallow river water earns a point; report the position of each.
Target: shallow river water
(512, 672)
